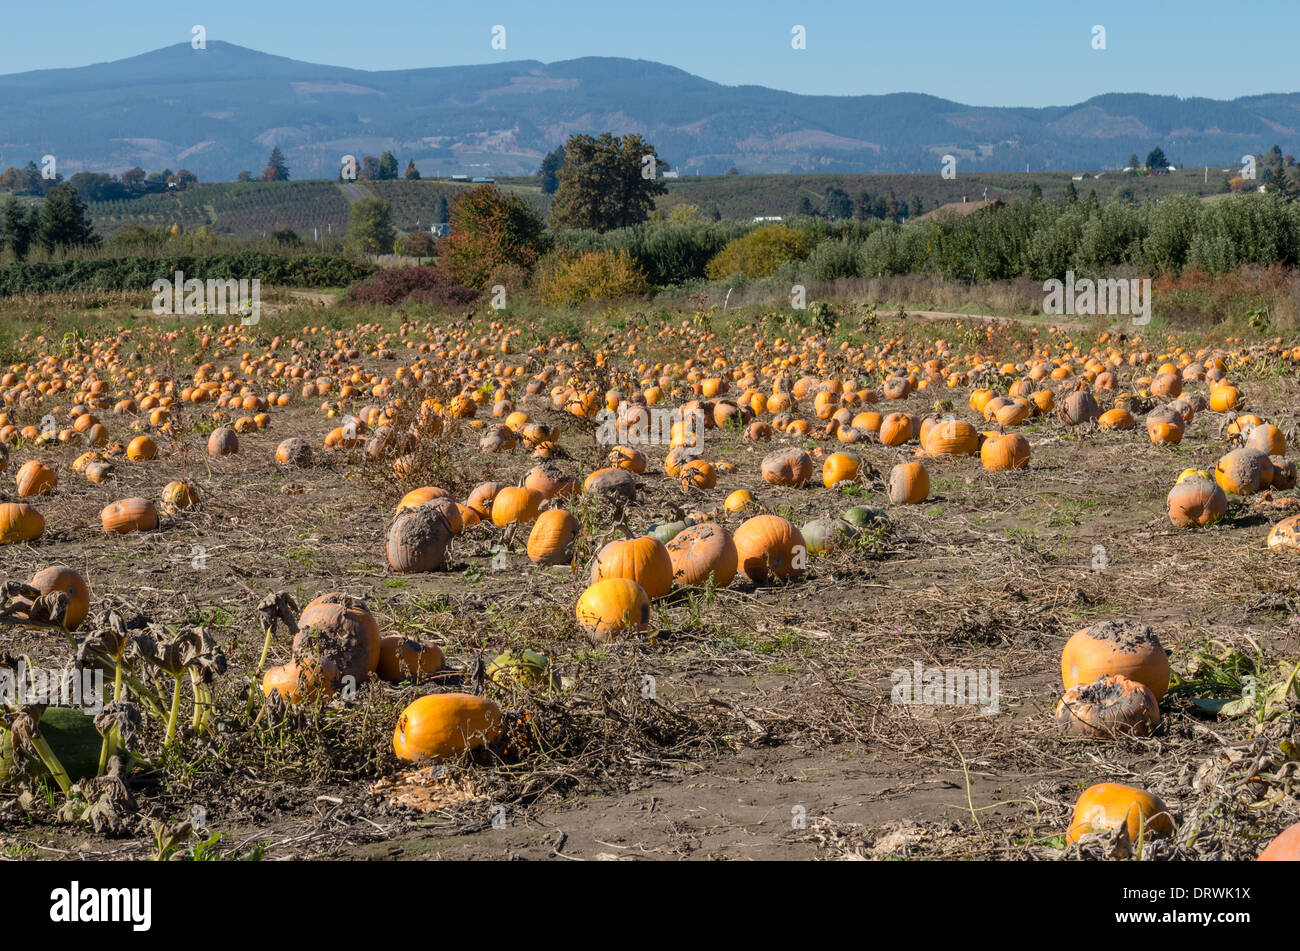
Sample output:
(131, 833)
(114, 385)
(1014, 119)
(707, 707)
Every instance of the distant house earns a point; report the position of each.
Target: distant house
(460, 178)
(1080, 178)
(480, 180)
(440, 230)
(670, 175)
(758, 219)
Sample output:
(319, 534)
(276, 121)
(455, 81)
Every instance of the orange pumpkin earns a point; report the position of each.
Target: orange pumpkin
(35, 478)
(515, 504)
(336, 628)
(62, 578)
(895, 429)
(1124, 646)
(401, 658)
(840, 467)
(480, 498)
(769, 546)
(1003, 452)
(444, 726)
(142, 448)
(625, 457)
(1116, 419)
(950, 437)
(613, 606)
(1241, 472)
(301, 680)
(1196, 502)
(426, 493)
(1284, 848)
(551, 538)
(129, 515)
(702, 552)
(909, 483)
(644, 560)
(551, 481)
(223, 442)
(1106, 807)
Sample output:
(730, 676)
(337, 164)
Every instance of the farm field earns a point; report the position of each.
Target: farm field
(253, 208)
(757, 718)
(256, 208)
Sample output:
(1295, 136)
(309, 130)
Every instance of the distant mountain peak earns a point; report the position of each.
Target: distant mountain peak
(214, 111)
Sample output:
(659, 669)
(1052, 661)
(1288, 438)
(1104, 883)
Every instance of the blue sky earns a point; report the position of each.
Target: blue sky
(1013, 52)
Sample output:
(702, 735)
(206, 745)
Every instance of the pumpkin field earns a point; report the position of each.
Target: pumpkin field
(637, 584)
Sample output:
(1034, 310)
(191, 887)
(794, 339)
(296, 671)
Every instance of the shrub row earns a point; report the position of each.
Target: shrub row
(131, 273)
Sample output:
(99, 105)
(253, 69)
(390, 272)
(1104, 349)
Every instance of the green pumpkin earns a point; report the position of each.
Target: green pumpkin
(72, 737)
(667, 531)
(525, 669)
(864, 516)
(825, 535)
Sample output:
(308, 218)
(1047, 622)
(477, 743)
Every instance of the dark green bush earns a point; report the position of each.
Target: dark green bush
(138, 273)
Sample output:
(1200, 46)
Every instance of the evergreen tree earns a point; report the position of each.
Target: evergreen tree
(387, 167)
(440, 210)
(1156, 160)
(276, 169)
(550, 170)
(1036, 192)
(64, 222)
(1281, 185)
(412, 173)
(18, 229)
(1071, 194)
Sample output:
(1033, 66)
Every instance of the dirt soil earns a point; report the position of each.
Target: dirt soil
(770, 733)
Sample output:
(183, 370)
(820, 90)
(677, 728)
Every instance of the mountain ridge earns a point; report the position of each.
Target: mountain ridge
(215, 111)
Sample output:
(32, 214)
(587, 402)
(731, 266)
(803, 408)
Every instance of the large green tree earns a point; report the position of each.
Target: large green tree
(370, 227)
(412, 173)
(64, 222)
(1156, 159)
(490, 229)
(607, 182)
(838, 203)
(387, 167)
